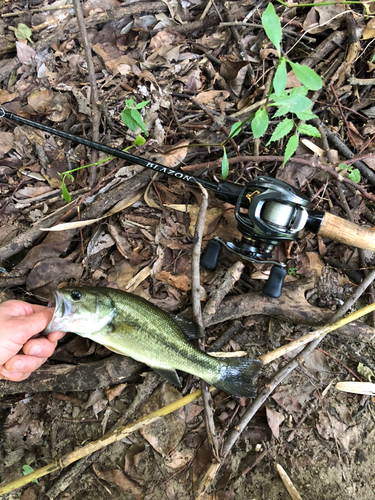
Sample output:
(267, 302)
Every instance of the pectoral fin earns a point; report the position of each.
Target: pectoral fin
(170, 375)
(113, 350)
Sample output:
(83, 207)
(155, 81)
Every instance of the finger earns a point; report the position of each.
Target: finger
(16, 308)
(22, 328)
(13, 376)
(41, 347)
(55, 336)
(23, 364)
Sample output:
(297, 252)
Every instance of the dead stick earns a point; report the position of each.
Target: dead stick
(231, 277)
(197, 314)
(93, 86)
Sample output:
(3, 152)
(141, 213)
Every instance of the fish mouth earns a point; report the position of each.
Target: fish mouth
(63, 310)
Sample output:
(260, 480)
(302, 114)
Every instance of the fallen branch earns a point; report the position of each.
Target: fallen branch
(197, 315)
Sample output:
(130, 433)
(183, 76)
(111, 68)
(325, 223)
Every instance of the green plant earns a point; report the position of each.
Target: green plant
(353, 173)
(293, 102)
(292, 271)
(26, 469)
(132, 118)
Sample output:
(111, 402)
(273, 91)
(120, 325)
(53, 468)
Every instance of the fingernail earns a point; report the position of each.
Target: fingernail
(17, 365)
(35, 350)
(60, 336)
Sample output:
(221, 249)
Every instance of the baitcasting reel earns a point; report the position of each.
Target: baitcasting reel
(275, 212)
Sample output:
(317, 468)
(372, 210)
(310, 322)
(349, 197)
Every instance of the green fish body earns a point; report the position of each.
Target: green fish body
(132, 326)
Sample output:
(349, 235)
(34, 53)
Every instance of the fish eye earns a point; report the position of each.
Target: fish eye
(76, 295)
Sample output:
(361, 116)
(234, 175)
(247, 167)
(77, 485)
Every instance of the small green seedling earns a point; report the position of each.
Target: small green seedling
(132, 118)
(26, 469)
(353, 173)
(23, 32)
(292, 271)
(293, 102)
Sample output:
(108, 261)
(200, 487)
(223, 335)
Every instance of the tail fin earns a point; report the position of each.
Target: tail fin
(235, 376)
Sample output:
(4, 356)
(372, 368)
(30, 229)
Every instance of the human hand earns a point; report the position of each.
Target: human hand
(19, 321)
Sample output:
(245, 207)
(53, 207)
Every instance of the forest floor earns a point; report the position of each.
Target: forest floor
(169, 79)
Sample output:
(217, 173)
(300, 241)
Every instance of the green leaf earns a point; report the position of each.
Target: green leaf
(235, 129)
(301, 90)
(290, 149)
(306, 115)
(307, 76)
(343, 166)
(295, 103)
(272, 26)
(26, 469)
(373, 58)
(129, 103)
(65, 193)
(142, 104)
(305, 129)
(260, 122)
(23, 32)
(224, 165)
(139, 140)
(355, 175)
(133, 119)
(279, 80)
(283, 110)
(281, 130)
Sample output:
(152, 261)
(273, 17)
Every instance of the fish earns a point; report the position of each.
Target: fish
(132, 326)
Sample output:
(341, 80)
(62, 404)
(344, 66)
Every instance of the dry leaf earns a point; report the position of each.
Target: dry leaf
(115, 391)
(6, 142)
(181, 282)
(274, 420)
(24, 52)
(205, 97)
(213, 215)
(284, 399)
(119, 479)
(369, 31)
(6, 96)
(178, 459)
(165, 434)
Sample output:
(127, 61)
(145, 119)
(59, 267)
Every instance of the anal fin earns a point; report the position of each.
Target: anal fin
(170, 375)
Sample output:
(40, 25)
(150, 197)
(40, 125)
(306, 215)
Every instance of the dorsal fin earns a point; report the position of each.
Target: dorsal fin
(189, 327)
(170, 375)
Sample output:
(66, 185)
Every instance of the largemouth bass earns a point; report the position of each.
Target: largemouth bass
(132, 326)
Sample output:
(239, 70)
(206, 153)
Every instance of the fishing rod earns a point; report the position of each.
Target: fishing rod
(267, 211)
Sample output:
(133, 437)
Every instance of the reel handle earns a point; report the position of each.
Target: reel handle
(346, 232)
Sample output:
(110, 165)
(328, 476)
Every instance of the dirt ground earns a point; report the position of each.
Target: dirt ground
(169, 80)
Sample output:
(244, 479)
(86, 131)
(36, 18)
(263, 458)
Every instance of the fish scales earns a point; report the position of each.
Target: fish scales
(132, 326)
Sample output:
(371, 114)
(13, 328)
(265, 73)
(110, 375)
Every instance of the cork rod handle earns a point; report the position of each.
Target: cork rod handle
(344, 231)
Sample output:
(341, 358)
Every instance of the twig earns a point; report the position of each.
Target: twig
(208, 113)
(288, 483)
(231, 277)
(197, 314)
(94, 90)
